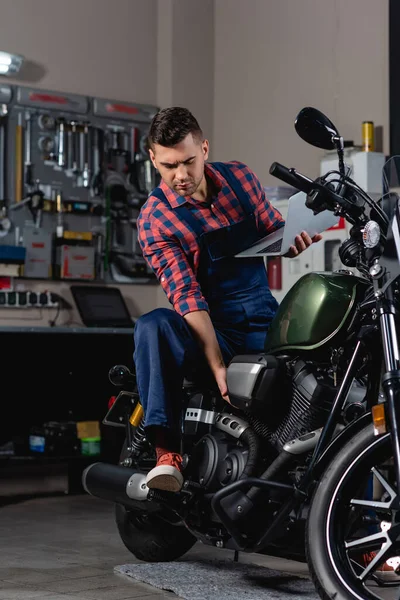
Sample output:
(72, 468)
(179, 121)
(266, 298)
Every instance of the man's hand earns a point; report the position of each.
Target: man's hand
(220, 378)
(203, 329)
(302, 241)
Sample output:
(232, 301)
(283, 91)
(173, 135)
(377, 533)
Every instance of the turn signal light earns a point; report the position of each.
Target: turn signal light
(378, 419)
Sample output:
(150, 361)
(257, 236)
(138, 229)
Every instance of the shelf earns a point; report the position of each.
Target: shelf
(82, 330)
(32, 459)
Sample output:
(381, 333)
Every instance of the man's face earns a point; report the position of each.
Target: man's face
(182, 166)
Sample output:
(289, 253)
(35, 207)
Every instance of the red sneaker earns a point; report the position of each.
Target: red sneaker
(167, 474)
(387, 571)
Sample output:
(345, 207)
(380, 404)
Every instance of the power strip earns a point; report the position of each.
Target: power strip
(31, 300)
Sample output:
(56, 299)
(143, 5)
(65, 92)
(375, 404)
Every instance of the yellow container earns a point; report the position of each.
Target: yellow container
(368, 136)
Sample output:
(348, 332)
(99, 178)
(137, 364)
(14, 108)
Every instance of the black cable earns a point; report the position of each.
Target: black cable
(370, 201)
(54, 321)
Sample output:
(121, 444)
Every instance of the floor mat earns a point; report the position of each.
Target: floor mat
(222, 580)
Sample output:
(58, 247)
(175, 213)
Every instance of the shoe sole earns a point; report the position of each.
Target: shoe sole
(387, 576)
(165, 478)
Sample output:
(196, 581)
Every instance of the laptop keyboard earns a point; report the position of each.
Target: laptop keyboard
(275, 247)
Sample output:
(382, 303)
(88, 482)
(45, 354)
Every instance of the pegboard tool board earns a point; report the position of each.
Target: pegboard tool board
(75, 170)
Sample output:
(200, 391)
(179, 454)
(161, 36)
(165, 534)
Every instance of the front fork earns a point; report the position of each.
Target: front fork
(391, 379)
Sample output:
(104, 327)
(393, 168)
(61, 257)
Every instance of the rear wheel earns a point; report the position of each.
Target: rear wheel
(148, 536)
(353, 527)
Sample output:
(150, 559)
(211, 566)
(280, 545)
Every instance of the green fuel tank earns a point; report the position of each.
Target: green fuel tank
(314, 310)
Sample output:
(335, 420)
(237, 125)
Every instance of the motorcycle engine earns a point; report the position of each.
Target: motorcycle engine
(216, 457)
(217, 461)
(281, 402)
(307, 407)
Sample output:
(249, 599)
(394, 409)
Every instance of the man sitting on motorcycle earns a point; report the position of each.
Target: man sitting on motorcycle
(189, 230)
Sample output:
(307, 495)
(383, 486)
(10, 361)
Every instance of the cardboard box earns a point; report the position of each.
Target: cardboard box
(38, 244)
(88, 429)
(77, 262)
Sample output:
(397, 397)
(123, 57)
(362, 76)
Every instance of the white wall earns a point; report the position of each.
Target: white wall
(94, 47)
(186, 57)
(273, 57)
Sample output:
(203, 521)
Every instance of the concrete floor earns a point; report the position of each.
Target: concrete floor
(65, 548)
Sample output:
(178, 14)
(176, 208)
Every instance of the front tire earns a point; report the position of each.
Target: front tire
(340, 517)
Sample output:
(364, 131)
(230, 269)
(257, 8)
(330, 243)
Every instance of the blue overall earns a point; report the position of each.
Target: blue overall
(241, 309)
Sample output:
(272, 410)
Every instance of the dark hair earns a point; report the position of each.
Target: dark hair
(171, 125)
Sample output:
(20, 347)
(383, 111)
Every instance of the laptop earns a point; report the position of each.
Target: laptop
(101, 306)
(299, 218)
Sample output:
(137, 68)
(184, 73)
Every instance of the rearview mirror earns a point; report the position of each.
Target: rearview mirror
(316, 129)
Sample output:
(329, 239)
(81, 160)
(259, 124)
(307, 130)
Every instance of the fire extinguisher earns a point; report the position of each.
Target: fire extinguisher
(274, 271)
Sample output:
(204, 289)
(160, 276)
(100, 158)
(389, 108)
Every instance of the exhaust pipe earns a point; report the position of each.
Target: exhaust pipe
(118, 484)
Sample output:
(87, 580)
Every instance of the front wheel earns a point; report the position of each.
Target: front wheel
(353, 528)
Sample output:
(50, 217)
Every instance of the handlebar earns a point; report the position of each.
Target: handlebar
(292, 177)
(322, 195)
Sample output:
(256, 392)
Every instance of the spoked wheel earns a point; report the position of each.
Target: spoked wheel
(353, 530)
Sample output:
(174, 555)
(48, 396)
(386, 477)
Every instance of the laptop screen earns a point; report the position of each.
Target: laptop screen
(101, 306)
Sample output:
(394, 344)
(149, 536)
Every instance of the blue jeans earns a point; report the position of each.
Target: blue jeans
(166, 351)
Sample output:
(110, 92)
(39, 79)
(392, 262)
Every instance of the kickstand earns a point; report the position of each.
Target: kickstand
(236, 557)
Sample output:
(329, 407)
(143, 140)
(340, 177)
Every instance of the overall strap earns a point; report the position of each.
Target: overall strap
(182, 211)
(237, 187)
(158, 193)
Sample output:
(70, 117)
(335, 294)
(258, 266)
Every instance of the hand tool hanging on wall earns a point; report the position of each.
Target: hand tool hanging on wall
(133, 176)
(36, 204)
(150, 177)
(18, 159)
(75, 147)
(59, 209)
(46, 146)
(34, 200)
(28, 179)
(141, 171)
(85, 138)
(68, 149)
(61, 142)
(46, 122)
(5, 223)
(118, 157)
(98, 162)
(3, 122)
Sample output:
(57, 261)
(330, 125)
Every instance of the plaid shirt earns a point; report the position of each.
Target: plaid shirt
(172, 249)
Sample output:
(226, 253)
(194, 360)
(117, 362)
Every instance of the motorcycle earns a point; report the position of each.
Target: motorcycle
(305, 462)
